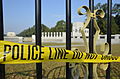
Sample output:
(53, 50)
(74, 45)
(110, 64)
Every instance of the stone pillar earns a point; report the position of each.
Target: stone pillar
(33, 38)
(48, 33)
(64, 37)
(20, 39)
(56, 34)
(45, 34)
(60, 34)
(42, 34)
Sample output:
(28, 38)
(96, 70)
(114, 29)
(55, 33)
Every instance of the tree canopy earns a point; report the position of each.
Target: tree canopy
(61, 25)
(31, 31)
(115, 28)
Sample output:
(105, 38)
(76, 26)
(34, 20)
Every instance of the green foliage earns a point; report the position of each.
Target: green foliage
(117, 20)
(59, 27)
(116, 9)
(31, 31)
(28, 32)
(102, 24)
(45, 28)
(101, 6)
(115, 28)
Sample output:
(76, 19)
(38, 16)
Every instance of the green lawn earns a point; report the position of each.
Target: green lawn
(56, 69)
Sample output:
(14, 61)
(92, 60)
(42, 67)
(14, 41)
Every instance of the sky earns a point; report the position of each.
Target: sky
(20, 14)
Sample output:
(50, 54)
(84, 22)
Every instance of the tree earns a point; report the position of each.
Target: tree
(45, 28)
(116, 10)
(31, 31)
(102, 22)
(117, 20)
(59, 27)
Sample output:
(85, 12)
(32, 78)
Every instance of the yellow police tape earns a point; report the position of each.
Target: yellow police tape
(16, 53)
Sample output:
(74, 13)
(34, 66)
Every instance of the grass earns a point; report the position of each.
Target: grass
(56, 69)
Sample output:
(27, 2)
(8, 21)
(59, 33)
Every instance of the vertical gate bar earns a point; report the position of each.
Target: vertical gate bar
(109, 14)
(38, 34)
(68, 35)
(2, 66)
(91, 33)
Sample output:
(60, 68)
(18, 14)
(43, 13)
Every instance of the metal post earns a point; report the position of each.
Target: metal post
(68, 35)
(91, 33)
(38, 34)
(2, 66)
(109, 14)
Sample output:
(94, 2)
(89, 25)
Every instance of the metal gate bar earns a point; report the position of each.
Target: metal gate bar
(68, 35)
(38, 34)
(109, 14)
(2, 66)
(91, 36)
